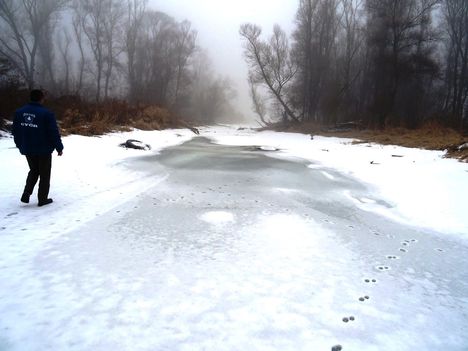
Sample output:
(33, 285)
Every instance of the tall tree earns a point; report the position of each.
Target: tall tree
(400, 36)
(350, 57)
(456, 77)
(185, 45)
(90, 15)
(270, 65)
(113, 35)
(64, 43)
(26, 26)
(315, 50)
(135, 13)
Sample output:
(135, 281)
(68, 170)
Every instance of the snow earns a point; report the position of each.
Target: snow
(424, 188)
(89, 178)
(91, 272)
(217, 217)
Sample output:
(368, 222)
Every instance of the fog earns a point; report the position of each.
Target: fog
(218, 22)
(342, 65)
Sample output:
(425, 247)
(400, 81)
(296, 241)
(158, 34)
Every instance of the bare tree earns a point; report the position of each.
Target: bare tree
(456, 78)
(113, 34)
(350, 49)
(91, 15)
(135, 13)
(64, 43)
(154, 61)
(399, 39)
(78, 25)
(24, 24)
(315, 50)
(185, 46)
(210, 96)
(259, 103)
(270, 64)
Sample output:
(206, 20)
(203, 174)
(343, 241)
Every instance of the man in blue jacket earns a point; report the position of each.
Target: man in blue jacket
(36, 135)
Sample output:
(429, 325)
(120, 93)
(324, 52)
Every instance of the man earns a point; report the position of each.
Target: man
(36, 136)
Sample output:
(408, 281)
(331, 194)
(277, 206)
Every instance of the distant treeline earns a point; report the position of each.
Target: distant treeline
(380, 62)
(105, 49)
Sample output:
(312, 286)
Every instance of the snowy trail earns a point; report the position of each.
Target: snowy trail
(237, 250)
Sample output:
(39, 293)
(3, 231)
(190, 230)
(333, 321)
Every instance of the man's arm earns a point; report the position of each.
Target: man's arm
(15, 130)
(54, 134)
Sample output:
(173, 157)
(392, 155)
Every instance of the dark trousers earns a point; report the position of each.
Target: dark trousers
(39, 168)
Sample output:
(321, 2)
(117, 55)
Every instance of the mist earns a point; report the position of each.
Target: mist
(325, 62)
(218, 23)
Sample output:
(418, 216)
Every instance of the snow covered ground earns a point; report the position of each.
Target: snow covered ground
(424, 188)
(96, 290)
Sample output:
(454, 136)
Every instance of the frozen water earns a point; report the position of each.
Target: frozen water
(238, 250)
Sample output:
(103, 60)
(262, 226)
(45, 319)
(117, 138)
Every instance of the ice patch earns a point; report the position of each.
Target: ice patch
(369, 205)
(367, 200)
(217, 217)
(286, 190)
(328, 175)
(314, 166)
(268, 148)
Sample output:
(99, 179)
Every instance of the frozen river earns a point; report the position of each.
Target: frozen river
(242, 249)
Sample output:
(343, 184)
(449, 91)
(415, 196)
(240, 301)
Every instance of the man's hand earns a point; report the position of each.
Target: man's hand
(60, 153)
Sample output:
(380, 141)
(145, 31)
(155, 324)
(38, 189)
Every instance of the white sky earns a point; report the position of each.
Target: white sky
(217, 23)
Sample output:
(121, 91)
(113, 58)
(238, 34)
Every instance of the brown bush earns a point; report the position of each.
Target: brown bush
(96, 119)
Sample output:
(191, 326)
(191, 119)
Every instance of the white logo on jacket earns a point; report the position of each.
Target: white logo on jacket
(29, 120)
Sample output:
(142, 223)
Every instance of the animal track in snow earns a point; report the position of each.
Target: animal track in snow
(337, 348)
(383, 268)
(370, 280)
(392, 257)
(348, 319)
(364, 298)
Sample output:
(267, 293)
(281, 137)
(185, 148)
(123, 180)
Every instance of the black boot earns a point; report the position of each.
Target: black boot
(45, 202)
(25, 198)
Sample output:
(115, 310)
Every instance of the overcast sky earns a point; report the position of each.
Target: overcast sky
(217, 23)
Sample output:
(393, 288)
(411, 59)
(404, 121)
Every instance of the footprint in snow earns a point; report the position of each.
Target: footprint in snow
(364, 298)
(337, 348)
(12, 214)
(383, 268)
(348, 319)
(370, 281)
(392, 257)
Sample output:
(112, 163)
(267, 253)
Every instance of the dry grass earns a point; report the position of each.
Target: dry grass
(431, 136)
(77, 117)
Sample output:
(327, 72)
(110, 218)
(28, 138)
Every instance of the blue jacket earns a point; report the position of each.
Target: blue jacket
(35, 130)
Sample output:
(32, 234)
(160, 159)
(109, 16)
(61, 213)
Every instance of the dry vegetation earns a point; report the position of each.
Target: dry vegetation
(78, 117)
(431, 136)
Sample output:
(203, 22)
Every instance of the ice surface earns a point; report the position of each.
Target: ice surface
(215, 247)
(217, 217)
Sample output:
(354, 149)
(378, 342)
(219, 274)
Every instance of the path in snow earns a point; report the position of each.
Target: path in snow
(240, 251)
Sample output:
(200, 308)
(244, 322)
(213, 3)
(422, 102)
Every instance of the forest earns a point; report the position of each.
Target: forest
(376, 63)
(370, 63)
(107, 57)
